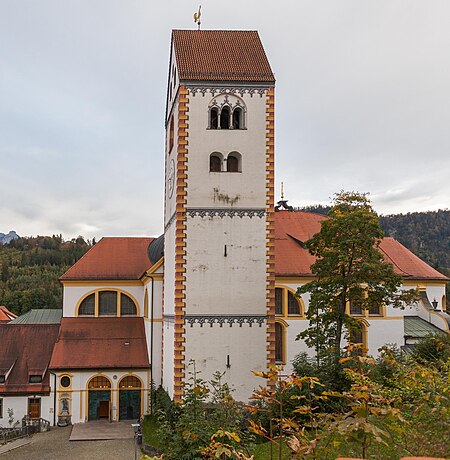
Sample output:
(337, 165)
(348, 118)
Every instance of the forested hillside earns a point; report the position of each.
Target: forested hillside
(30, 268)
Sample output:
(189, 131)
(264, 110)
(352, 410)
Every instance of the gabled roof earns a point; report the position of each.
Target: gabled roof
(221, 55)
(112, 258)
(26, 349)
(100, 343)
(40, 316)
(6, 315)
(406, 263)
(292, 229)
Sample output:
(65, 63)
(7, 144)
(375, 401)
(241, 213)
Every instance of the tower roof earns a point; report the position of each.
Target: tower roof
(221, 55)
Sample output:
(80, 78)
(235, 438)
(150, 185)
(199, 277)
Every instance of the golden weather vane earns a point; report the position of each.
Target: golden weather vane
(197, 16)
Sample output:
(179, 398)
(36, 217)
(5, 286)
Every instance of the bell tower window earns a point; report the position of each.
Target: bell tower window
(237, 118)
(234, 162)
(215, 163)
(225, 118)
(214, 118)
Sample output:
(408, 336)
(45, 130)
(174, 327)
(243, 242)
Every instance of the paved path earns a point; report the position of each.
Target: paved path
(101, 430)
(55, 445)
(14, 445)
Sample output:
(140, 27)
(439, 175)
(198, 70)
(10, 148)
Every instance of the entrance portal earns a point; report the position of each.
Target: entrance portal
(130, 398)
(99, 398)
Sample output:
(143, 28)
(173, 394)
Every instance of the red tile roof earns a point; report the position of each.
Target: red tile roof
(101, 343)
(26, 349)
(292, 229)
(221, 55)
(111, 258)
(6, 315)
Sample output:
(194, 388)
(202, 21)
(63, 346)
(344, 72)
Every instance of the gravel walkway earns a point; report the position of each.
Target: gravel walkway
(55, 445)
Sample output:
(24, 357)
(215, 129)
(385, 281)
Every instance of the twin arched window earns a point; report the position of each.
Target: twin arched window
(233, 162)
(226, 118)
(107, 303)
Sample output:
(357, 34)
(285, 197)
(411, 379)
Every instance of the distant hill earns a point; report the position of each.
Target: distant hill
(8, 237)
(30, 268)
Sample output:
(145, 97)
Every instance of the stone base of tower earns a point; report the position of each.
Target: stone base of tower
(233, 345)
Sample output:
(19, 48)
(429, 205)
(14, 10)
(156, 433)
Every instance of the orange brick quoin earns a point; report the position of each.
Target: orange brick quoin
(270, 228)
(180, 243)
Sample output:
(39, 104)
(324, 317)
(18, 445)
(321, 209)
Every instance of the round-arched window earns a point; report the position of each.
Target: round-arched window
(129, 382)
(87, 306)
(99, 383)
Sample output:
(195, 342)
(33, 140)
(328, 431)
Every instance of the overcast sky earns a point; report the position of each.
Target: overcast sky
(362, 103)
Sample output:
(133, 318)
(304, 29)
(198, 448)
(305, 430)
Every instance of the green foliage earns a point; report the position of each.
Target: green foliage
(208, 423)
(30, 268)
(434, 349)
(349, 269)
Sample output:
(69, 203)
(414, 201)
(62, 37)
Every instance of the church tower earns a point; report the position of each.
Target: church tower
(218, 217)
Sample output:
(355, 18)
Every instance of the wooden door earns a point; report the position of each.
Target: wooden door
(103, 411)
(34, 407)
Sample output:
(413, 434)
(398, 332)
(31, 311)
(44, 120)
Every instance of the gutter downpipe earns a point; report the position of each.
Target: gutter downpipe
(54, 398)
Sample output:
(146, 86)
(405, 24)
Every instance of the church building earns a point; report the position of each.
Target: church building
(216, 291)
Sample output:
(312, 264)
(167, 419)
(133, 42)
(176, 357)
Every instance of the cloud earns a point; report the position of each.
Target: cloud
(363, 103)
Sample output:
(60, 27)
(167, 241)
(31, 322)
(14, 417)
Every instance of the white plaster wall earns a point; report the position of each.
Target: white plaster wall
(249, 185)
(235, 284)
(19, 404)
(73, 294)
(168, 357)
(170, 201)
(79, 392)
(209, 347)
(157, 348)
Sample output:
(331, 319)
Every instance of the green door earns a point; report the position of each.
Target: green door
(129, 404)
(95, 397)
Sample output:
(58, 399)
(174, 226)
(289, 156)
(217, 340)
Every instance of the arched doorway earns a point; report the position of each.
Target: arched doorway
(130, 398)
(99, 388)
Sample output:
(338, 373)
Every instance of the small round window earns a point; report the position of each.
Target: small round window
(65, 381)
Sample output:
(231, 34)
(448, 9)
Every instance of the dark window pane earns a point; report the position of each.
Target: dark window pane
(232, 164)
(278, 301)
(278, 342)
(35, 378)
(355, 309)
(375, 309)
(225, 118)
(127, 306)
(293, 304)
(214, 164)
(237, 118)
(87, 306)
(214, 121)
(356, 335)
(107, 303)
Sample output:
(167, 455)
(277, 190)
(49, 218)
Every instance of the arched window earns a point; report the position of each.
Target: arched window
(215, 163)
(293, 305)
(129, 381)
(107, 303)
(171, 133)
(225, 118)
(127, 306)
(355, 308)
(237, 118)
(287, 303)
(278, 301)
(279, 343)
(358, 335)
(99, 383)
(214, 118)
(234, 162)
(87, 306)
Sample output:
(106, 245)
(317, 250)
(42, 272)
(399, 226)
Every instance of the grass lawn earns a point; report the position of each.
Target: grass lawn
(149, 428)
(262, 452)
